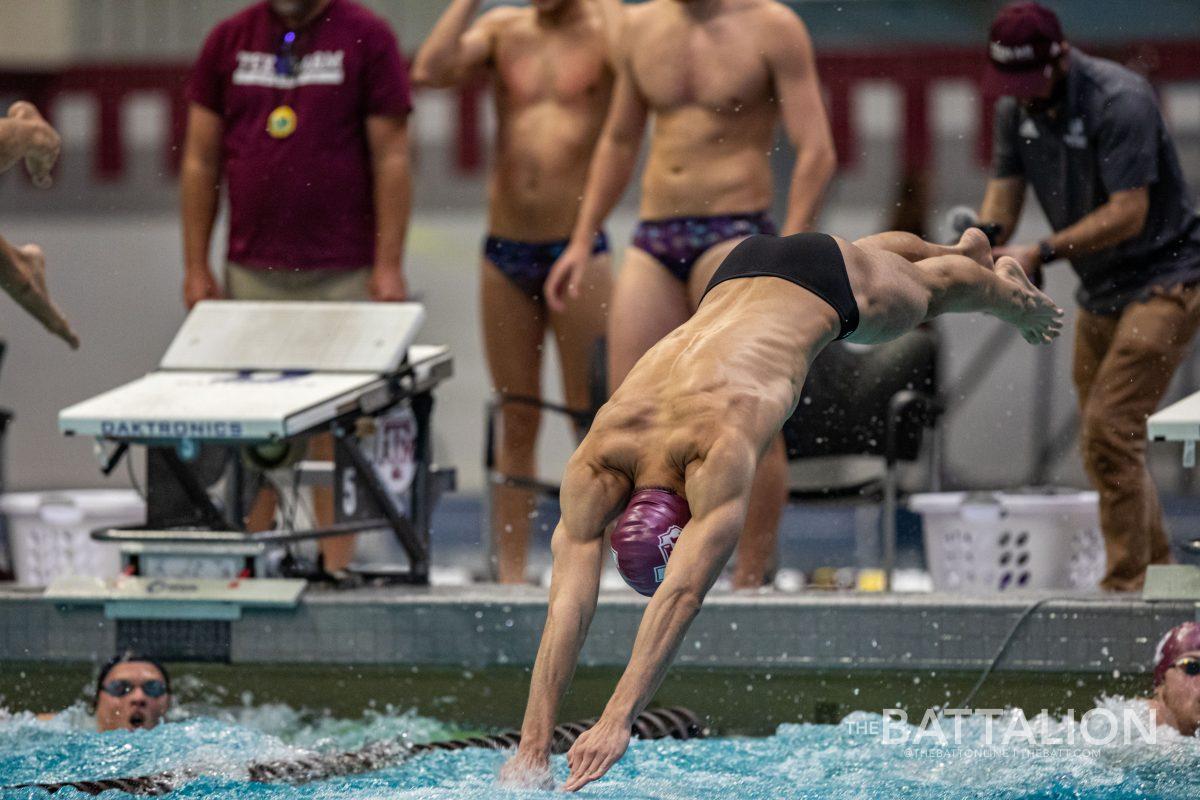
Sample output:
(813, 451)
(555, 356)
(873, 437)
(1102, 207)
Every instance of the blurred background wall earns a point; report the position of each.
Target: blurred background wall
(900, 77)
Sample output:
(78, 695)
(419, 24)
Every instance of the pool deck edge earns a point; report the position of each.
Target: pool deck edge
(489, 625)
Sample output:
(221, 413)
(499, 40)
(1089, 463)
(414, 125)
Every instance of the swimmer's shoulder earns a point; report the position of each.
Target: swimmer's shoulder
(777, 23)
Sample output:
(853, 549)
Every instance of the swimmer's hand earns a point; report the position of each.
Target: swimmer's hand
(526, 771)
(387, 285)
(23, 276)
(565, 275)
(41, 143)
(200, 284)
(594, 752)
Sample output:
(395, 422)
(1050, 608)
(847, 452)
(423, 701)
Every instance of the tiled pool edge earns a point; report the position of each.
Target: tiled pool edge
(485, 626)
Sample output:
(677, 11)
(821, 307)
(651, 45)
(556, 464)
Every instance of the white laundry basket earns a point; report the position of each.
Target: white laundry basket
(49, 532)
(986, 542)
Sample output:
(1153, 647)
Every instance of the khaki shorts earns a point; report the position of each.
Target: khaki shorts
(245, 283)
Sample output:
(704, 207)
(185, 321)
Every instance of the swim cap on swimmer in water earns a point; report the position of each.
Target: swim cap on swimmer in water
(1184, 638)
(645, 536)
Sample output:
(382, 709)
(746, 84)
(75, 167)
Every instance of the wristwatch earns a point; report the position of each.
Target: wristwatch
(1046, 251)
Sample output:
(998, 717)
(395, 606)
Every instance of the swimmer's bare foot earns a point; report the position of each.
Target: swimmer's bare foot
(1025, 306)
(974, 244)
(23, 275)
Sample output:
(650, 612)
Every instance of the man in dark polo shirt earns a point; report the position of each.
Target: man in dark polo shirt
(301, 106)
(1088, 135)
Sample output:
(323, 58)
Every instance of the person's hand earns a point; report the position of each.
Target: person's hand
(199, 284)
(527, 771)
(26, 282)
(594, 752)
(387, 285)
(42, 143)
(565, 275)
(1028, 256)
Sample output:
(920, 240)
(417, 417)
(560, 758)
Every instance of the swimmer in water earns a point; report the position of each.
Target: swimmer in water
(132, 692)
(26, 136)
(1176, 699)
(672, 456)
(552, 75)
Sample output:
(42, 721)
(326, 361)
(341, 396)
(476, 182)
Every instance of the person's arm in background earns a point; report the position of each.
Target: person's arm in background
(612, 12)
(608, 175)
(1002, 203)
(1005, 193)
(387, 99)
(794, 72)
(387, 138)
(455, 49)
(1119, 219)
(23, 276)
(26, 136)
(199, 194)
(1127, 154)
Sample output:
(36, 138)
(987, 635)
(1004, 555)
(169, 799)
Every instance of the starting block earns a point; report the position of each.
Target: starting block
(238, 393)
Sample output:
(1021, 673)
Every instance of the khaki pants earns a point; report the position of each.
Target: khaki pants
(245, 283)
(1123, 364)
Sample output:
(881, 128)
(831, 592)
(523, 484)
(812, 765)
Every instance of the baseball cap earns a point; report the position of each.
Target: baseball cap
(1024, 40)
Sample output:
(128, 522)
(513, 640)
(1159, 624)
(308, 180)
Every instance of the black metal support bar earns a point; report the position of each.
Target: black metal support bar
(420, 498)
(414, 547)
(196, 494)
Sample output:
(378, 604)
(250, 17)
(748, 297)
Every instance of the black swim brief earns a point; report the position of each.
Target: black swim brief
(812, 261)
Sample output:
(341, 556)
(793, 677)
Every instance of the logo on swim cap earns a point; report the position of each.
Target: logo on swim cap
(666, 546)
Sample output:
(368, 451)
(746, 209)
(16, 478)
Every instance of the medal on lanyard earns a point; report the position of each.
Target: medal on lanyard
(281, 123)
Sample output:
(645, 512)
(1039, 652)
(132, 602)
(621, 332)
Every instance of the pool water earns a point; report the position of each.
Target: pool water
(845, 760)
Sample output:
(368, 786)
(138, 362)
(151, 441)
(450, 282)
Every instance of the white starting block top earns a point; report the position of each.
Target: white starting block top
(252, 371)
(1178, 422)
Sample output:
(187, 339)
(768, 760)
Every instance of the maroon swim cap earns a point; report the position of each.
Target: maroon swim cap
(645, 536)
(1184, 638)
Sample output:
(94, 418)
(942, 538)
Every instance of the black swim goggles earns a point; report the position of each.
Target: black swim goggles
(1191, 666)
(120, 688)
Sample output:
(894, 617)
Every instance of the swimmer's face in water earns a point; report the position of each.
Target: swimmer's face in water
(1179, 693)
(135, 709)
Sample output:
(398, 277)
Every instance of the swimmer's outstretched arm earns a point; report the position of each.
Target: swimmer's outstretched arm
(573, 591)
(591, 498)
(719, 494)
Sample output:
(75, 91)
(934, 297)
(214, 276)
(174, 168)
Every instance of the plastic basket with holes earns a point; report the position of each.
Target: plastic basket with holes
(50, 532)
(987, 542)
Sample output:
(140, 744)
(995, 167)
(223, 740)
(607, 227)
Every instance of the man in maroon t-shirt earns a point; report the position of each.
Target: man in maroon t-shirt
(301, 105)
